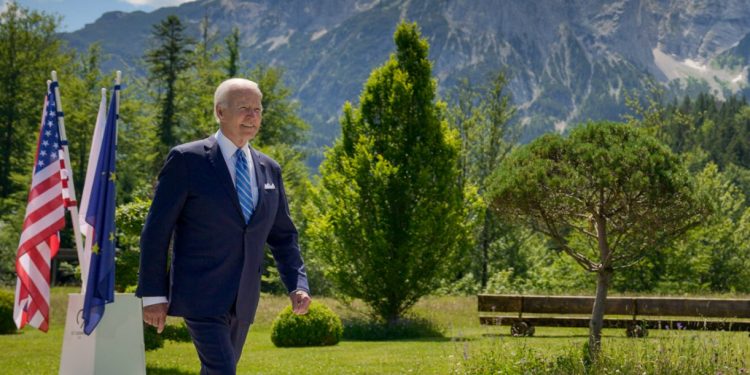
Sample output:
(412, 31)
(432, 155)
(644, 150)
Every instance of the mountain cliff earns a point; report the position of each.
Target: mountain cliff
(569, 60)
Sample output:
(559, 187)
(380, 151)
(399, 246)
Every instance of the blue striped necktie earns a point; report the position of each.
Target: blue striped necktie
(242, 184)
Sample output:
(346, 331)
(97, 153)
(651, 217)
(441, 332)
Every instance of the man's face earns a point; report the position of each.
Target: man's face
(240, 116)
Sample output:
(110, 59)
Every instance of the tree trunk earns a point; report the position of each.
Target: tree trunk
(604, 276)
(485, 276)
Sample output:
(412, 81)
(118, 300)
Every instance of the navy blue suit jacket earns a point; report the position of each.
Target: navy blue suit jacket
(216, 257)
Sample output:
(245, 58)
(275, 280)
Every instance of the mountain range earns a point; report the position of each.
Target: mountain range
(568, 60)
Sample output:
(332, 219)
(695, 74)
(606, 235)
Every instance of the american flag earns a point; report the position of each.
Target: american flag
(45, 217)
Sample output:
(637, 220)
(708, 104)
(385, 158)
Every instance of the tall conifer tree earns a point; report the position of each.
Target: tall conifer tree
(391, 217)
(167, 60)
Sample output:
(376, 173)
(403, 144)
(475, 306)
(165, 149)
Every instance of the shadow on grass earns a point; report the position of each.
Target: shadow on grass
(408, 329)
(508, 335)
(462, 339)
(167, 371)
(413, 339)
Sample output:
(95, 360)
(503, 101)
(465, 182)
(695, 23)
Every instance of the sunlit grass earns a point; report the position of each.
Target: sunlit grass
(466, 348)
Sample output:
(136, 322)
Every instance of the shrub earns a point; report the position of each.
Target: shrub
(176, 333)
(130, 219)
(406, 328)
(151, 339)
(7, 325)
(320, 326)
(126, 269)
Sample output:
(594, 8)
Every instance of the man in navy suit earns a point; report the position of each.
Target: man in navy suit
(221, 201)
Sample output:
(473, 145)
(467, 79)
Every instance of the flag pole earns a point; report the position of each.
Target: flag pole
(88, 181)
(118, 76)
(73, 207)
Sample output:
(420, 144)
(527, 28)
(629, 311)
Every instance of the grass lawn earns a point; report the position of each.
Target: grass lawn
(33, 352)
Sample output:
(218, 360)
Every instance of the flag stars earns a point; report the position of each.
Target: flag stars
(43, 153)
(47, 133)
(45, 143)
(112, 176)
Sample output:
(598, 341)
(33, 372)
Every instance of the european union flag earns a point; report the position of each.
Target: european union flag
(100, 288)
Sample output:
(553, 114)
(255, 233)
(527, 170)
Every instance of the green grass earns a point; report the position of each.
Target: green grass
(467, 347)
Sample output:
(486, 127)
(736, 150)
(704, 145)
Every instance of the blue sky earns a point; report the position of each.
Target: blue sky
(77, 13)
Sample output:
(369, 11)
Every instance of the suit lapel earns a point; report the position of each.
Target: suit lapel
(222, 172)
(260, 176)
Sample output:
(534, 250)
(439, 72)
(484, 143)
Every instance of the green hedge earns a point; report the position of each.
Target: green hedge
(319, 327)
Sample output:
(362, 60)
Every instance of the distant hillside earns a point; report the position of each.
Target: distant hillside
(569, 61)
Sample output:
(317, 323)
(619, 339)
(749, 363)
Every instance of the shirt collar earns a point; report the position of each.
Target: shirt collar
(228, 148)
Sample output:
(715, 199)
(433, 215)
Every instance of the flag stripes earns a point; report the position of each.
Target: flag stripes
(45, 216)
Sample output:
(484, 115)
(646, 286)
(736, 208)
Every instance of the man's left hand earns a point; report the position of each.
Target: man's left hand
(300, 302)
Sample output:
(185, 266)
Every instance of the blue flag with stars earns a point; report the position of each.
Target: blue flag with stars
(100, 288)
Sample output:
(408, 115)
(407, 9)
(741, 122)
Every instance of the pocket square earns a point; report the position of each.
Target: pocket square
(269, 186)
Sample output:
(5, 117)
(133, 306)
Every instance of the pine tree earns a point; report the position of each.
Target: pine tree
(606, 195)
(390, 219)
(167, 60)
(232, 62)
(196, 97)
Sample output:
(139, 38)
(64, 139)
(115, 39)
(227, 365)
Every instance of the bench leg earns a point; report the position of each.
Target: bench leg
(522, 329)
(636, 329)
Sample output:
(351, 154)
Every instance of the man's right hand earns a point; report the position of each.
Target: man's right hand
(156, 315)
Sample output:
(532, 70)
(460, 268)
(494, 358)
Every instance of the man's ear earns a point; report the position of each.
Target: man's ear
(219, 111)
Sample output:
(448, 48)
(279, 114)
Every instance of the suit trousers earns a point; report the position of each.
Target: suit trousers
(219, 341)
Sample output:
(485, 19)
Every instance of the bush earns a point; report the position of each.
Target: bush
(319, 327)
(7, 325)
(151, 339)
(130, 220)
(176, 333)
(126, 269)
(407, 328)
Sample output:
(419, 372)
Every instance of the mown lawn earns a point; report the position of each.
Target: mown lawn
(33, 352)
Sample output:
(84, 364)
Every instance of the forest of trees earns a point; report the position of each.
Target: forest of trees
(405, 195)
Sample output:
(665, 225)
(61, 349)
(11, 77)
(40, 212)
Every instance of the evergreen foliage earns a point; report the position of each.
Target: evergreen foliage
(482, 115)
(130, 218)
(29, 50)
(390, 219)
(281, 121)
(606, 195)
(232, 60)
(196, 89)
(167, 60)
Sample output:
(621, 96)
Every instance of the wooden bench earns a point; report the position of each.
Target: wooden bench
(635, 314)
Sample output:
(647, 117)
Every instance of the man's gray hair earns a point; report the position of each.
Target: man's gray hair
(220, 95)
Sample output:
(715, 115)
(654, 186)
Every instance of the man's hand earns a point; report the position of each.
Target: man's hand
(300, 302)
(156, 315)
